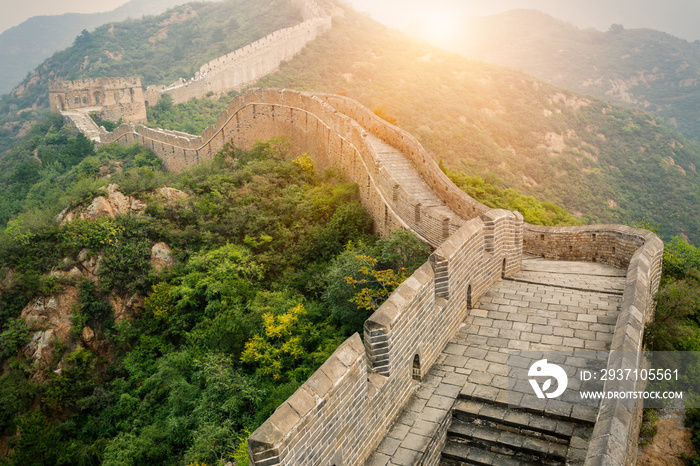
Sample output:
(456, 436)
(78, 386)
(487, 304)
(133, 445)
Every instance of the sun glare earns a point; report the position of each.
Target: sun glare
(440, 27)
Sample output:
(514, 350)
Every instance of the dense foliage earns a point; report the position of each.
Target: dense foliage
(24, 46)
(490, 194)
(255, 301)
(601, 162)
(675, 327)
(54, 166)
(192, 117)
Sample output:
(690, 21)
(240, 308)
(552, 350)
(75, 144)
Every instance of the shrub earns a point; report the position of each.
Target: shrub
(14, 337)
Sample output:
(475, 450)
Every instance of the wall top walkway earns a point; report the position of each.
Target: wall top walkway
(563, 309)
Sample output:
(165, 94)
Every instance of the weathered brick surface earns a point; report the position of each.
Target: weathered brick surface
(615, 435)
(112, 98)
(354, 410)
(332, 138)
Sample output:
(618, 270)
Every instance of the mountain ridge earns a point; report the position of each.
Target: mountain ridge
(24, 46)
(644, 68)
(605, 163)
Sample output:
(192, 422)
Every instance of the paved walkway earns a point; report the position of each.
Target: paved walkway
(567, 308)
(85, 124)
(403, 171)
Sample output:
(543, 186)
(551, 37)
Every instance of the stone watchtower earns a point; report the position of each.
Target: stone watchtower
(111, 98)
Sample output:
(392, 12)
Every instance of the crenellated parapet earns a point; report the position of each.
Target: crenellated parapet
(614, 439)
(112, 98)
(345, 409)
(246, 65)
(336, 132)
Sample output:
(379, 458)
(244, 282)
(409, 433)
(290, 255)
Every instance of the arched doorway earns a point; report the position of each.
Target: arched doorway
(416, 372)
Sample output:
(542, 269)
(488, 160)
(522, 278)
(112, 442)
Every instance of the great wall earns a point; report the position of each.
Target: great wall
(115, 98)
(248, 64)
(428, 382)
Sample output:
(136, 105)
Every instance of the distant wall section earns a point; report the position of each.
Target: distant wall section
(246, 65)
(111, 98)
(332, 138)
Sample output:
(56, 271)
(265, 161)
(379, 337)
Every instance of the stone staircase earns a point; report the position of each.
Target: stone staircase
(81, 119)
(488, 433)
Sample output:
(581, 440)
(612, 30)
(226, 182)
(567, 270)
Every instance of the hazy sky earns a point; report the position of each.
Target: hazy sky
(13, 12)
(678, 17)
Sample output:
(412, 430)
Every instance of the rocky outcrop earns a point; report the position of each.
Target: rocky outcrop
(116, 203)
(171, 195)
(670, 441)
(161, 256)
(113, 204)
(125, 307)
(87, 267)
(49, 319)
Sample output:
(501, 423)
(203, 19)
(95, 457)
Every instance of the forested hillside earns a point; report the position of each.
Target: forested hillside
(601, 162)
(642, 68)
(154, 318)
(26, 45)
(166, 316)
(160, 49)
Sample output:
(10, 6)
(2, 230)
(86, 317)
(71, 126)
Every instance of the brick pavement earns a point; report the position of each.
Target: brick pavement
(569, 308)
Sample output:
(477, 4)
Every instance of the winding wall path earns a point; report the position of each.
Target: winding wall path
(343, 412)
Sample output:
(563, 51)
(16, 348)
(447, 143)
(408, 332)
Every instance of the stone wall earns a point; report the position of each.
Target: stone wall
(344, 410)
(614, 439)
(331, 138)
(111, 98)
(611, 244)
(454, 198)
(246, 65)
(85, 124)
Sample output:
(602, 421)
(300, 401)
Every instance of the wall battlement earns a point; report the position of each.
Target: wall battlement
(111, 98)
(333, 130)
(340, 415)
(246, 65)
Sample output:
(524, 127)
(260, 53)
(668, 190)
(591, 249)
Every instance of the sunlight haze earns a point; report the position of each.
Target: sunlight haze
(677, 17)
(680, 18)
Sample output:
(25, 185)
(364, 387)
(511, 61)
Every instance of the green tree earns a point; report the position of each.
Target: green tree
(279, 348)
(38, 441)
(14, 337)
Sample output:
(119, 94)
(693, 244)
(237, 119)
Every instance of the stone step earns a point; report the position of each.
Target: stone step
(504, 417)
(579, 415)
(505, 442)
(459, 454)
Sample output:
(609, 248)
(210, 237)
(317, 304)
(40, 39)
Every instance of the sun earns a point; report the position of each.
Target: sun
(440, 27)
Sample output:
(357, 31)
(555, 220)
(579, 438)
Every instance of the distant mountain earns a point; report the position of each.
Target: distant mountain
(25, 46)
(160, 49)
(640, 67)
